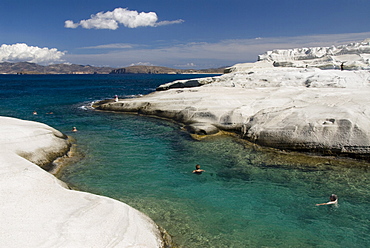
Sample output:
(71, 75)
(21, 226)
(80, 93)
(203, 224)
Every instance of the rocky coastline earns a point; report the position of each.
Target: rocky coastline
(38, 210)
(300, 108)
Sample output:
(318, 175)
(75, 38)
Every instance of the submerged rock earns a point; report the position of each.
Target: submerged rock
(202, 128)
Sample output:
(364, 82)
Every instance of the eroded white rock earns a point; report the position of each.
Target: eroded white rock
(275, 103)
(354, 56)
(233, 100)
(38, 210)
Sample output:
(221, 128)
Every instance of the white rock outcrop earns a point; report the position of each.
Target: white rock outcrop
(304, 109)
(38, 210)
(354, 56)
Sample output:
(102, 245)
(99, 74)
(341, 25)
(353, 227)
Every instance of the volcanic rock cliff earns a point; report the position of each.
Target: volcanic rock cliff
(274, 103)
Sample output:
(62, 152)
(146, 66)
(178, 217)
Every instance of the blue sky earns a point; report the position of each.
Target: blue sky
(173, 33)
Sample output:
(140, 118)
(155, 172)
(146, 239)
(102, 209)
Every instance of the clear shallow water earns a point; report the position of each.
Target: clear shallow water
(246, 198)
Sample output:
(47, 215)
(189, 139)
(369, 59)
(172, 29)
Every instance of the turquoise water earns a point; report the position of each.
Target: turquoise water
(248, 197)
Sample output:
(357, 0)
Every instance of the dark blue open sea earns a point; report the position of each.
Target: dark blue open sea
(248, 197)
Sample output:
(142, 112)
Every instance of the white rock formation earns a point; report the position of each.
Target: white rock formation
(37, 209)
(354, 56)
(305, 109)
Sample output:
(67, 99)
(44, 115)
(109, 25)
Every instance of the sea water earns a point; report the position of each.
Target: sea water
(247, 196)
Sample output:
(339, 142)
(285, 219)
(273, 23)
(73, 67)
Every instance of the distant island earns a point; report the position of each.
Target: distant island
(32, 68)
(23, 68)
(142, 69)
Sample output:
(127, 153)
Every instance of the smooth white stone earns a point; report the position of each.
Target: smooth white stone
(37, 209)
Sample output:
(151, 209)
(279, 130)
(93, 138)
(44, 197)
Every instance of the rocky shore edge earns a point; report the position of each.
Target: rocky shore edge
(299, 109)
(38, 210)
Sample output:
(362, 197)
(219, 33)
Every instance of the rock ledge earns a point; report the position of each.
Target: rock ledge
(38, 210)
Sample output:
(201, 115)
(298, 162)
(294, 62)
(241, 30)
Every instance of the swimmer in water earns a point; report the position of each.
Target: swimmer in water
(333, 199)
(198, 170)
(74, 129)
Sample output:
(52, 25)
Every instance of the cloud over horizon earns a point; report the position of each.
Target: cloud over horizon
(21, 52)
(173, 54)
(128, 18)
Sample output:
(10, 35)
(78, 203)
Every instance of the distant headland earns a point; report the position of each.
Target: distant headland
(142, 69)
(26, 68)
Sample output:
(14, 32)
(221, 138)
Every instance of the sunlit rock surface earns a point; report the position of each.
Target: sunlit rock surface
(353, 56)
(304, 109)
(38, 210)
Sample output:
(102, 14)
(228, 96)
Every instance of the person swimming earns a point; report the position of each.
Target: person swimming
(198, 170)
(333, 199)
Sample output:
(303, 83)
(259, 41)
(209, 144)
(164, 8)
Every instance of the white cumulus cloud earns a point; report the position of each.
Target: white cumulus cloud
(70, 24)
(21, 52)
(128, 18)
